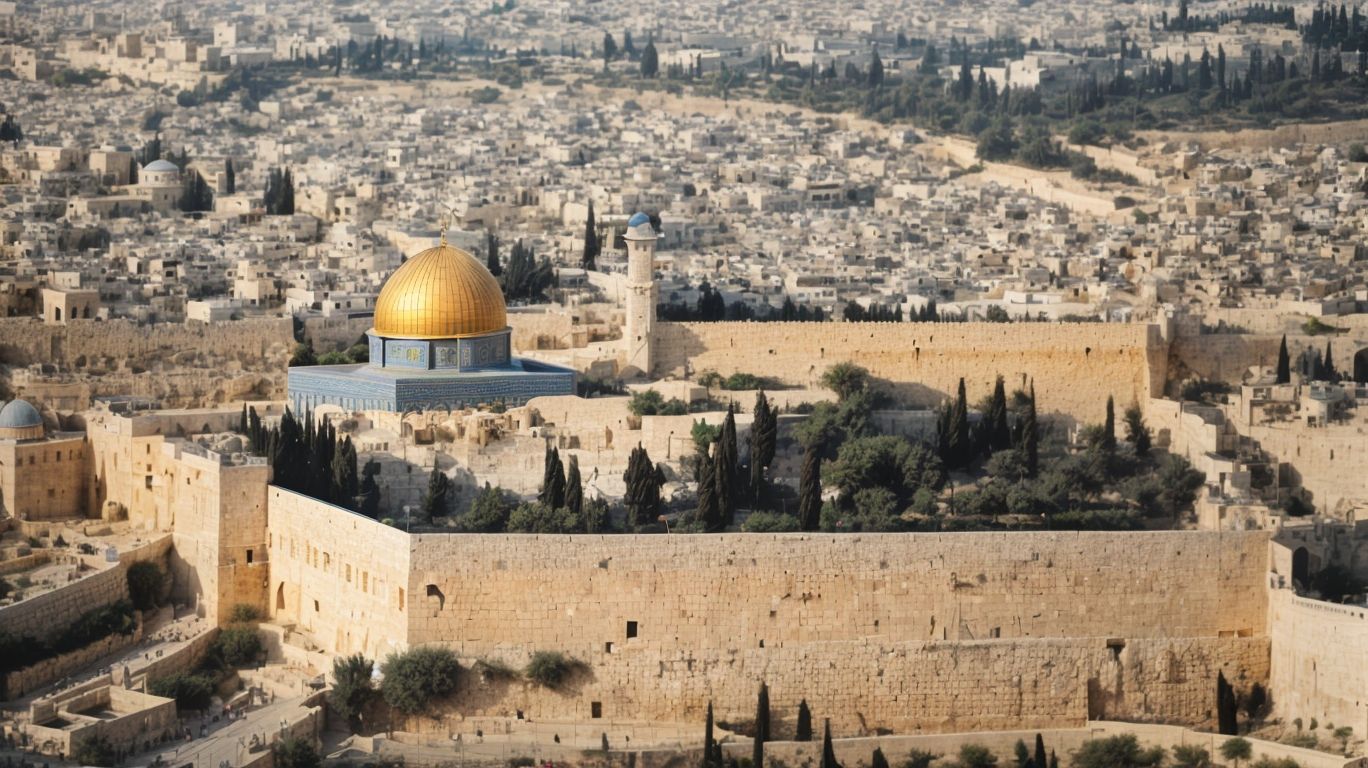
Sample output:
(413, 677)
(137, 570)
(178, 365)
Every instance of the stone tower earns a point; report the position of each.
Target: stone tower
(642, 295)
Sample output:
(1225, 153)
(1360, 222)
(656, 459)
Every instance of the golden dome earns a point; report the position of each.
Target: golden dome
(441, 293)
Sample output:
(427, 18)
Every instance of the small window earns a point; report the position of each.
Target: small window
(596, 709)
(147, 482)
(249, 557)
(608, 647)
(315, 606)
(631, 629)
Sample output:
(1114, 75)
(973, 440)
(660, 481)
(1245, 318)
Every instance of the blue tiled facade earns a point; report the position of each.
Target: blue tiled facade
(429, 375)
(475, 353)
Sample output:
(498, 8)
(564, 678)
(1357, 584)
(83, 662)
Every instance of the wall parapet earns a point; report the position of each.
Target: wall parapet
(1074, 366)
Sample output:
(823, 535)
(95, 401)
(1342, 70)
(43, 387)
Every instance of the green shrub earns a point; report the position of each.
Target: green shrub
(1269, 762)
(145, 584)
(416, 677)
(1191, 756)
(237, 646)
(976, 756)
(550, 669)
(651, 403)
(296, 753)
(769, 522)
(244, 613)
(742, 381)
(1123, 751)
(1097, 520)
(94, 751)
(919, 759)
(192, 691)
(352, 688)
(1314, 327)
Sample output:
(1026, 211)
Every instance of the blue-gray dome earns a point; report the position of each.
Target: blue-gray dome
(18, 414)
(160, 165)
(638, 219)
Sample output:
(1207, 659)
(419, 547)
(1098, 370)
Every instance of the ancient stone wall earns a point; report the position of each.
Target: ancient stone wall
(1318, 668)
(931, 632)
(907, 687)
(53, 611)
(934, 632)
(122, 344)
(189, 365)
(1074, 366)
(338, 577)
(17, 683)
(1330, 462)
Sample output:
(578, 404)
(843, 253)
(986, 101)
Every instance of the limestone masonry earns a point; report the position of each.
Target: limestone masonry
(932, 632)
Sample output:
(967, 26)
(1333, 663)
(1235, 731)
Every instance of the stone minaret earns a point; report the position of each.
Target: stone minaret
(642, 295)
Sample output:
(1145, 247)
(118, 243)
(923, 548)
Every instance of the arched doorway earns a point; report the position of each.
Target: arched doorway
(280, 598)
(1361, 366)
(1301, 568)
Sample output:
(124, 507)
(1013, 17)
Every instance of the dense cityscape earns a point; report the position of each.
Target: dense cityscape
(616, 384)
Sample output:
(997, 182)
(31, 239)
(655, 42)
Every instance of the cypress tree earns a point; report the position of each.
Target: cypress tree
(492, 254)
(370, 491)
(1039, 759)
(1284, 373)
(574, 488)
(1109, 426)
(959, 448)
(344, 480)
(803, 730)
(287, 194)
(435, 501)
(877, 760)
(726, 478)
(828, 752)
(1030, 436)
(591, 241)
(556, 498)
(643, 488)
(709, 506)
(320, 461)
(763, 439)
(810, 490)
(1329, 365)
(230, 176)
(650, 60)
(1136, 431)
(550, 464)
(762, 727)
(708, 747)
(1000, 433)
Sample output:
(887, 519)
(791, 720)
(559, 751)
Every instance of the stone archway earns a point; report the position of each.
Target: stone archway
(280, 598)
(1301, 568)
(1361, 366)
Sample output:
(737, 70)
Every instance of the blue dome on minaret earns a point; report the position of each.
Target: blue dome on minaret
(638, 219)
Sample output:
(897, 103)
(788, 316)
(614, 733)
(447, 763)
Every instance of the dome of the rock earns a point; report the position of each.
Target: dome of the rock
(441, 293)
